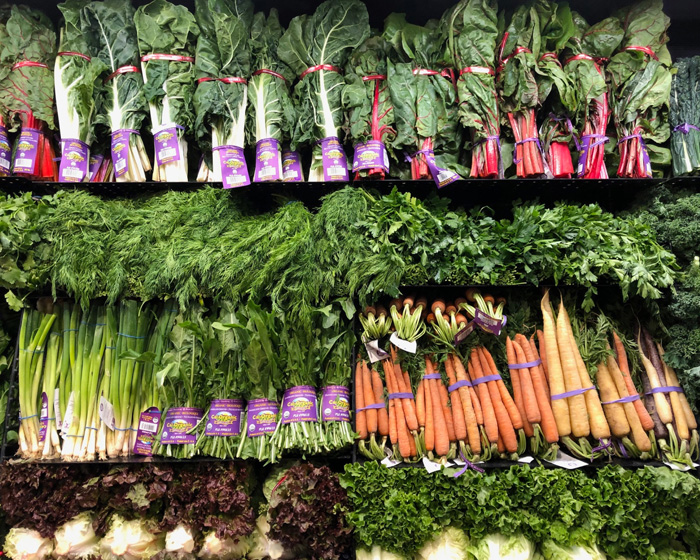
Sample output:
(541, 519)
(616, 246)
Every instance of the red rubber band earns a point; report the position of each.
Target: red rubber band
(271, 72)
(230, 80)
(169, 57)
(374, 77)
(30, 63)
(122, 70)
(326, 67)
(72, 53)
(645, 50)
(477, 70)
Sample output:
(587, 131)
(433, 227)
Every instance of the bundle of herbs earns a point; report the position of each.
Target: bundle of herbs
(222, 64)
(683, 117)
(471, 32)
(640, 77)
(316, 48)
(425, 101)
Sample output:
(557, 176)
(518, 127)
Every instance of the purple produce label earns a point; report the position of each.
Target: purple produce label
(262, 417)
(224, 418)
(234, 171)
(179, 421)
(167, 146)
(488, 323)
(371, 155)
(462, 334)
(442, 177)
(299, 405)
(43, 417)
(27, 148)
(146, 434)
(267, 161)
(335, 164)
(335, 404)
(291, 166)
(95, 163)
(74, 161)
(120, 152)
(5, 152)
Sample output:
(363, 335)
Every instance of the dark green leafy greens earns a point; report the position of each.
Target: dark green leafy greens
(684, 119)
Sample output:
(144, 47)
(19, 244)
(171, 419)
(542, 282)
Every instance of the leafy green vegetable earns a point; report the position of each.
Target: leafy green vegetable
(683, 117)
(325, 38)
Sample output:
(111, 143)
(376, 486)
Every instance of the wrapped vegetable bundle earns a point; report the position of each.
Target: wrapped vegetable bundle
(369, 108)
(167, 36)
(220, 101)
(518, 92)
(640, 76)
(684, 118)
(317, 48)
(121, 103)
(5, 148)
(425, 101)
(27, 93)
(471, 30)
(586, 52)
(272, 114)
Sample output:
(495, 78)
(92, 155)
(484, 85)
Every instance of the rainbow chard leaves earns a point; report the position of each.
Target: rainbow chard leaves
(221, 98)
(166, 29)
(324, 39)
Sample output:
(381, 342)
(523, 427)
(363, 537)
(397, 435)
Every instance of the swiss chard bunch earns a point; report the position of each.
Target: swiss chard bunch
(640, 76)
(220, 101)
(425, 101)
(370, 112)
(584, 56)
(316, 47)
(167, 36)
(471, 32)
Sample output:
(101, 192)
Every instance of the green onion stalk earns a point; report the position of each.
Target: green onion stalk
(34, 330)
(180, 380)
(104, 431)
(85, 374)
(337, 371)
(262, 379)
(54, 350)
(224, 372)
(70, 319)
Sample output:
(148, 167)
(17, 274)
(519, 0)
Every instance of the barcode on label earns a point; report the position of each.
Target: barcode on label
(235, 179)
(73, 172)
(444, 175)
(267, 172)
(4, 163)
(291, 175)
(151, 427)
(167, 153)
(119, 165)
(24, 163)
(337, 171)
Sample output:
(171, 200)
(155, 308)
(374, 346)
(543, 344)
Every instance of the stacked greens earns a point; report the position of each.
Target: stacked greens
(223, 66)
(316, 47)
(425, 101)
(640, 78)
(683, 117)
(167, 35)
(121, 104)
(272, 114)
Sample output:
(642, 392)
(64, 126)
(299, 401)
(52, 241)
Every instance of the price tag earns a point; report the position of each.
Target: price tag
(68, 420)
(462, 335)
(405, 345)
(106, 413)
(376, 354)
(389, 462)
(682, 468)
(431, 466)
(526, 460)
(57, 406)
(567, 462)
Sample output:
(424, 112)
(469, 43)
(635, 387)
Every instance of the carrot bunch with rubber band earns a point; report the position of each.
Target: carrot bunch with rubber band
(371, 417)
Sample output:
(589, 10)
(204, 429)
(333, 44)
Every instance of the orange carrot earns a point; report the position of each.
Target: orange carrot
(382, 415)
(517, 390)
(535, 356)
(447, 411)
(420, 404)
(442, 440)
(471, 419)
(543, 354)
(490, 423)
(393, 430)
(639, 436)
(532, 410)
(505, 426)
(369, 399)
(539, 385)
(409, 405)
(401, 429)
(622, 362)
(456, 399)
(429, 418)
(360, 416)
(500, 444)
(507, 400)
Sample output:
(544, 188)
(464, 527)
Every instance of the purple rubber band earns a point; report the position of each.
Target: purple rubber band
(570, 394)
(458, 385)
(516, 161)
(467, 465)
(400, 396)
(665, 390)
(129, 130)
(630, 398)
(623, 451)
(601, 447)
(570, 126)
(432, 376)
(525, 365)
(375, 406)
(486, 379)
(685, 128)
(586, 146)
(645, 152)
